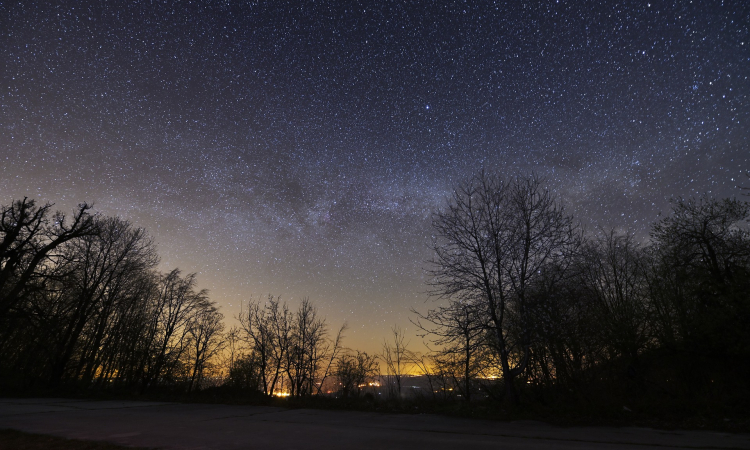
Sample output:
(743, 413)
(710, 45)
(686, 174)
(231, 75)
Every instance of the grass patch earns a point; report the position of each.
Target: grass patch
(19, 440)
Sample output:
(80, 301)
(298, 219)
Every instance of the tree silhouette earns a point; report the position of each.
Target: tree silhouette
(493, 240)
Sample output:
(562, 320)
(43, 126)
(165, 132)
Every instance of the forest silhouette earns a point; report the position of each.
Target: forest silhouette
(531, 311)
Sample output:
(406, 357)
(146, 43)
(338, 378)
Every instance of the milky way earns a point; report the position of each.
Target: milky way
(299, 148)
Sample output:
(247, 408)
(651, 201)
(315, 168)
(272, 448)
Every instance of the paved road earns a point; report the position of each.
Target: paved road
(195, 426)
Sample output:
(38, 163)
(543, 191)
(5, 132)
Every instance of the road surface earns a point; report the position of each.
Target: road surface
(201, 426)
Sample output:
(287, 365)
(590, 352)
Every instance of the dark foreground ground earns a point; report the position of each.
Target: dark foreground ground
(19, 440)
(203, 426)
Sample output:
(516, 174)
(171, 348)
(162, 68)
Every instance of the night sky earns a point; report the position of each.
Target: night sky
(298, 149)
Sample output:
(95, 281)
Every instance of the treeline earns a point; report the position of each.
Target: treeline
(81, 303)
(551, 311)
(278, 351)
(532, 308)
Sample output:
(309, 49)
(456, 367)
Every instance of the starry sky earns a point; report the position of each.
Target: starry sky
(299, 148)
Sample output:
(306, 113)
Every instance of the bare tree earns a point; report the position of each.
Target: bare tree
(80, 302)
(128, 340)
(332, 352)
(396, 357)
(245, 373)
(698, 283)
(425, 366)
(268, 330)
(492, 241)
(234, 343)
(258, 335)
(354, 371)
(459, 332)
(292, 349)
(566, 330)
(708, 235)
(207, 340)
(306, 350)
(28, 238)
(443, 375)
(101, 268)
(614, 271)
(175, 307)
